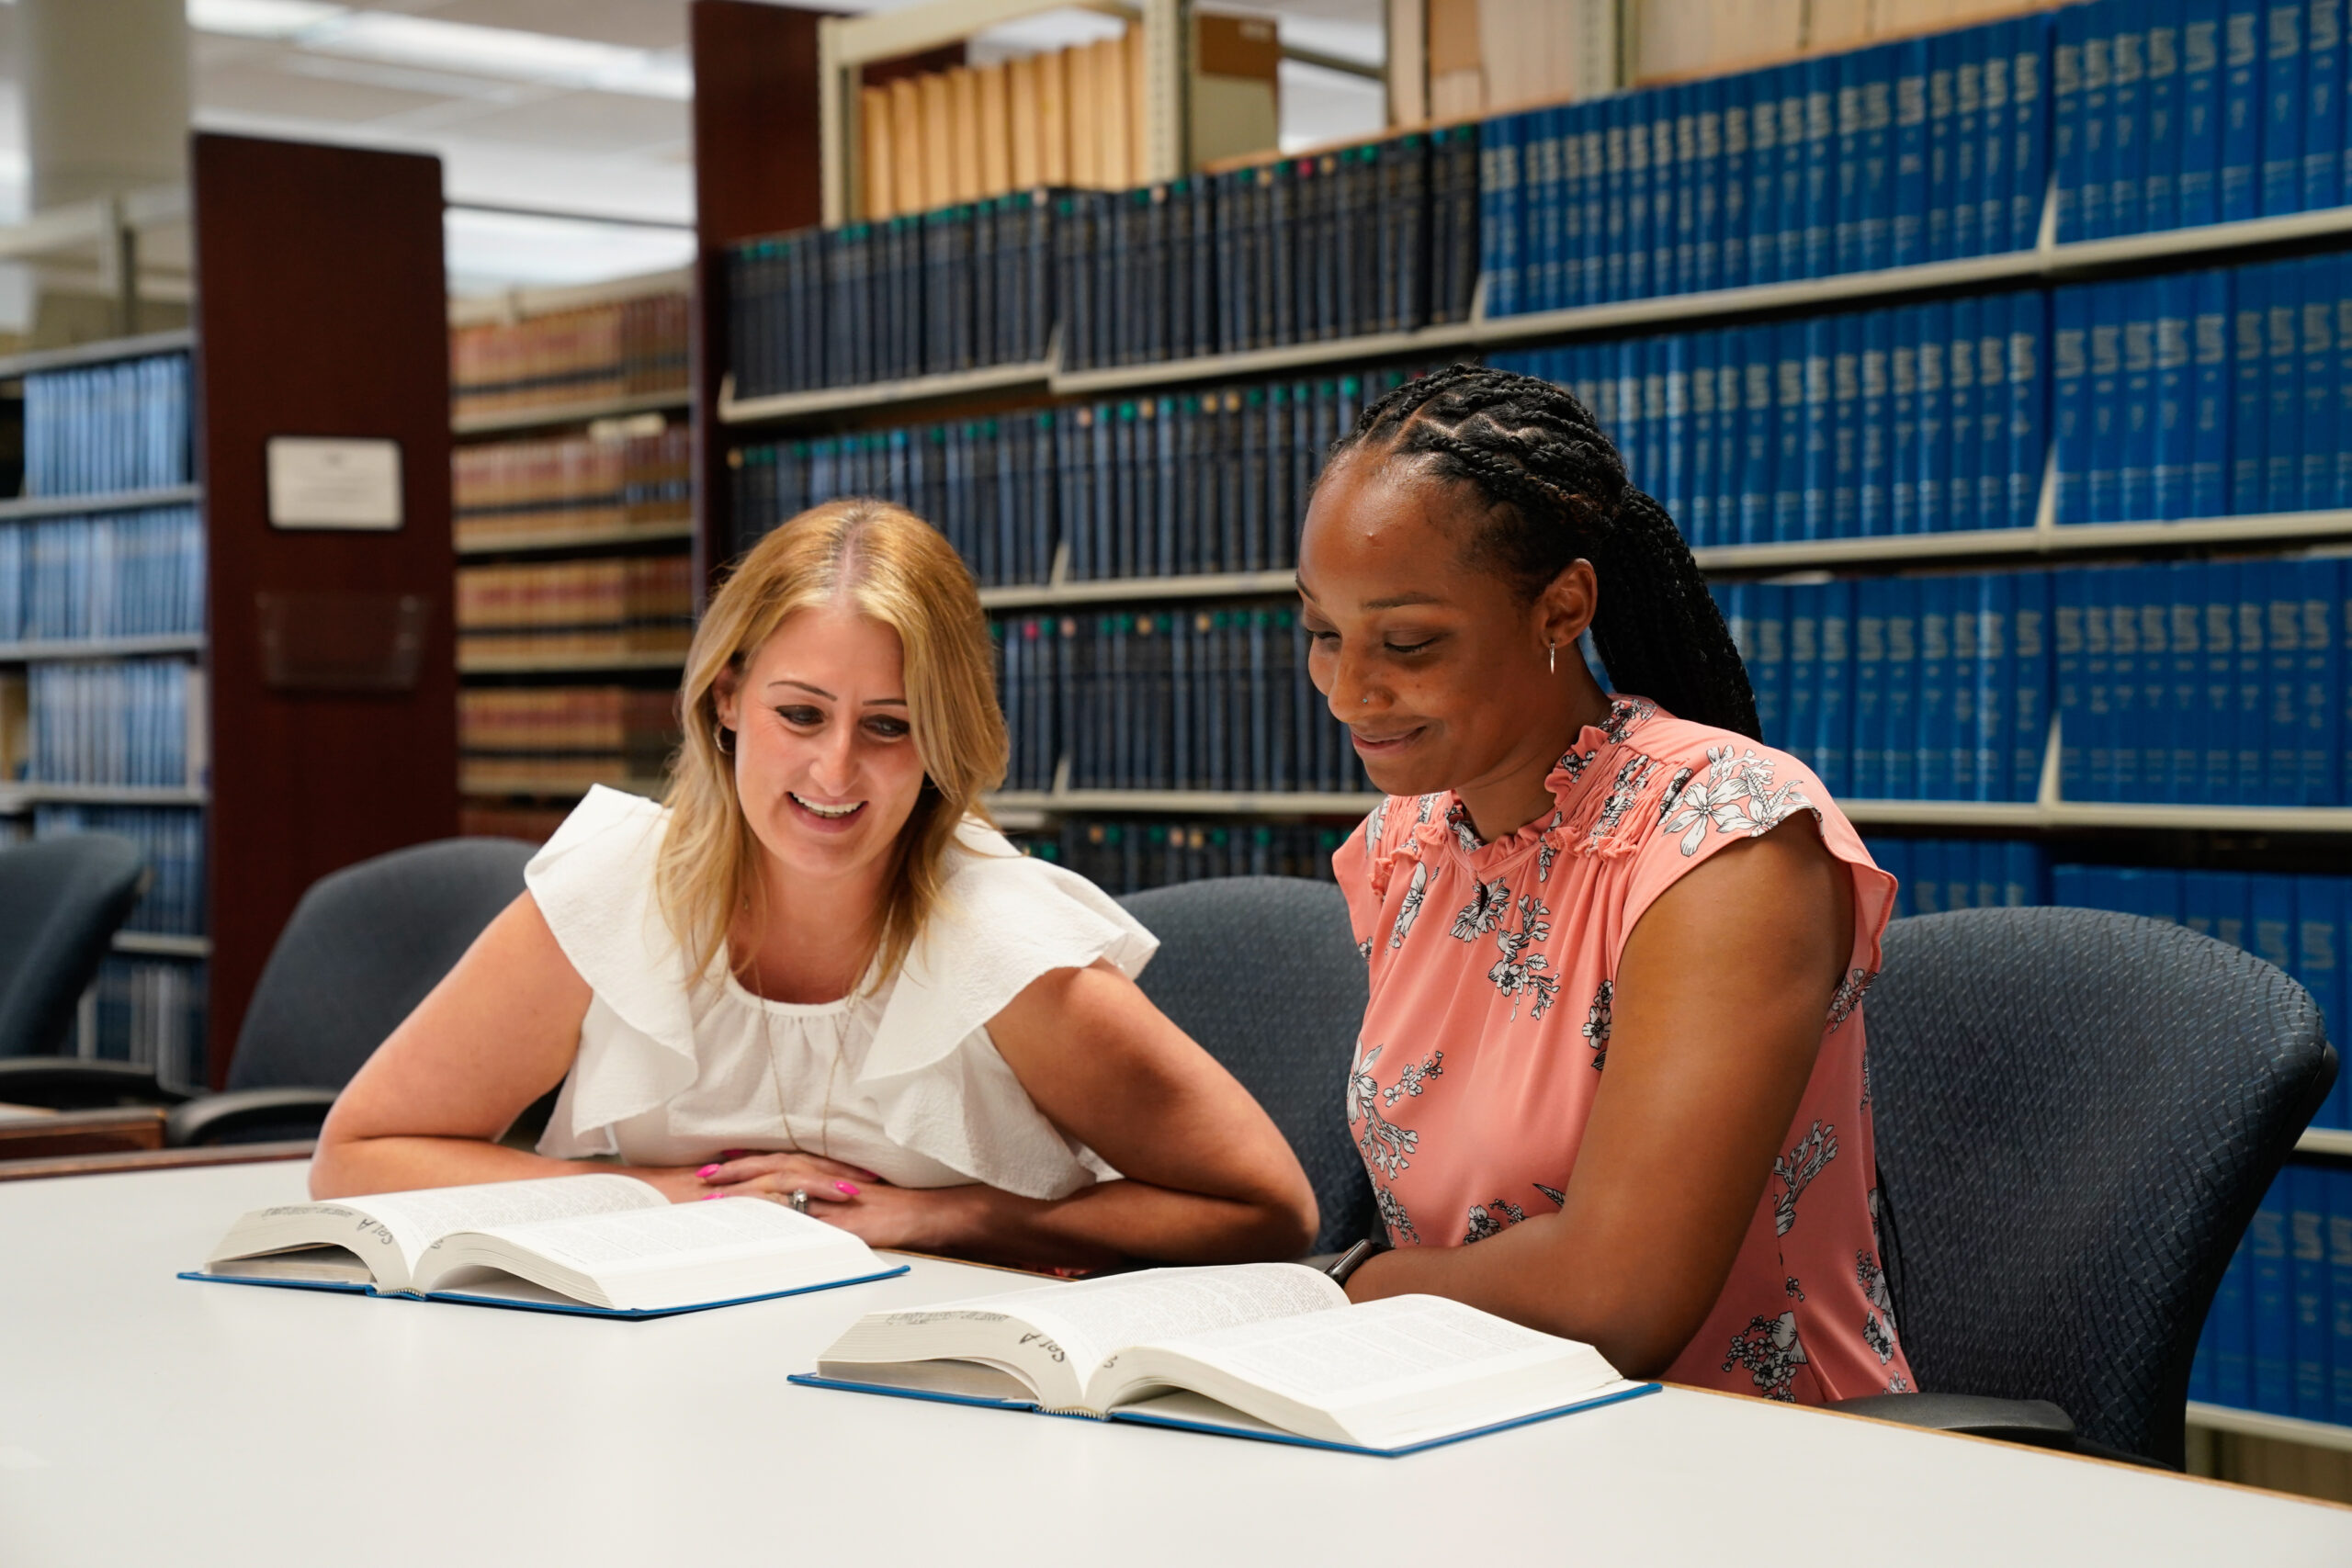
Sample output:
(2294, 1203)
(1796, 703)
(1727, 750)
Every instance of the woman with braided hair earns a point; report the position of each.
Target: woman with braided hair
(1617, 947)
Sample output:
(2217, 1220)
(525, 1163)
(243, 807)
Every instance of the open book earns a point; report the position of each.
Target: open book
(603, 1244)
(1270, 1350)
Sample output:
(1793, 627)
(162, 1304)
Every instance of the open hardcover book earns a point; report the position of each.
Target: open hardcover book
(607, 1244)
(1269, 1350)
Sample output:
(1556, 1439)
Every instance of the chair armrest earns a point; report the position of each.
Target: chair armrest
(66, 1083)
(248, 1115)
(2036, 1422)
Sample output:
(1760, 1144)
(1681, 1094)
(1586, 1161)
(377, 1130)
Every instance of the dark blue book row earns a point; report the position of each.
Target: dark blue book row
(1933, 688)
(2173, 113)
(1127, 856)
(1933, 875)
(151, 1012)
(127, 574)
(171, 841)
(2202, 683)
(2279, 1338)
(125, 722)
(1925, 150)
(107, 427)
(1206, 697)
(1925, 419)
(1147, 487)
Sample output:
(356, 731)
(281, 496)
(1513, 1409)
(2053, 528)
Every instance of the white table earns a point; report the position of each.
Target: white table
(150, 1420)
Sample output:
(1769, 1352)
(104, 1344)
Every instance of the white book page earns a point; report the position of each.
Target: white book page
(1094, 1318)
(611, 1247)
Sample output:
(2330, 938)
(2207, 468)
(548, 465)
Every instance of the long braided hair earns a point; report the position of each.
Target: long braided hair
(1556, 492)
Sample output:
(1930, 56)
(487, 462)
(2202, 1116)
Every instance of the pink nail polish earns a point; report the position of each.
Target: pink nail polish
(847, 1188)
(707, 1172)
(709, 1197)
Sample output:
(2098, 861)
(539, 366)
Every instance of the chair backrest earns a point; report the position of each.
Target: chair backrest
(62, 900)
(1264, 973)
(364, 946)
(2077, 1112)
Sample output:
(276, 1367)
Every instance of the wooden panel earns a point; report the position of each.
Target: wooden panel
(320, 311)
(64, 1133)
(156, 1159)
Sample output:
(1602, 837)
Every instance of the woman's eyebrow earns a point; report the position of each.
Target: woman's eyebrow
(1398, 601)
(820, 692)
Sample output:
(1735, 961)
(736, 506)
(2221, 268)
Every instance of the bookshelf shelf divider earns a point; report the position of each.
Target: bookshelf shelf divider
(31, 508)
(61, 650)
(576, 539)
(179, 341)
(2261, 1424)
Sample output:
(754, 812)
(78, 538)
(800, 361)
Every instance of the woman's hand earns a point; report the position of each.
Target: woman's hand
(776, 1176)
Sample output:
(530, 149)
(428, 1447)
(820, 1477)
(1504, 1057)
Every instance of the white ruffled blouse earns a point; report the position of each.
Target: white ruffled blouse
(902, 1079)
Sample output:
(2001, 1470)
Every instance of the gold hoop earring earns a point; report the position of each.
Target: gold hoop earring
(718, 740)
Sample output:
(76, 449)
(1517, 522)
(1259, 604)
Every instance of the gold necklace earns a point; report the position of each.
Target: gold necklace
(776, 1085)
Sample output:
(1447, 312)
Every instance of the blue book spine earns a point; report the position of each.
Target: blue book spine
(1993, 163)
(1933, 727)
(1614, 229)
(2196, 190)
(1788, 442)
(1833, 750)
(1903, 422)
(1943, 66)
(1697, 519)
(2319, 942)
(2105, 408)
(1867, 777)
(2282, 107)
(1928, 857)
(2232, 1314)
(2271, 1306)
(2185, 649)
(1995, 682)
(2070, 366)
(1802, 694)
(1759, 437)
(2126, 739)
(2283, 465)
(1641, 230)
(1871, 515)
(1592, 156)
(1707, 186)
(2030, 667)
(1675, 442)
(2319, 586)
(2127, 154)
(2098, 688)
(2242, 77)
(2029, 128)
(2339, 1290)
(2160, 145)
(1900, 689)
(1499, 199)
(1845, 427)
(1962, 402)
(1738, 95)
(2135, 470)
(2249, 388)
(2343, 378)
(1767, 673)
(2322, 104)
(1730, 434)
(1968, 143)
(2174, 437)
(1844, 163)
(1907, 235)
(2319, 394)
(1934, 438)
(1820, 341)
(2282, 640)
(2022, 876)
(2066, 116)
(2157, 732)
(2208, 467)
(1789, 222)
(2219, 709)
(1671, 137)
(2098, 120)
(1874, 182)
(1544, 174)
(1570, 196)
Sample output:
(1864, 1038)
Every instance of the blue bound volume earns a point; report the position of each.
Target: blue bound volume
(2270, 1308)
(2066, 116)
(2282, 484)
(2029, 128)
(2322, 104)
(1961, 404)
(1906, 236)
(2320, 590)
(1968, 143)
(2127, 154)
(2241, 103)
(2316, 294)
(1900, 689)
(2250, 388)
(2135, 470)
(1867, 780)
(2097, 122)
(2174, 440)
(2070, 388)
(1833, 713)
(1872, 500)
(2209, 466)
(1943, 64)
(2199, 137)
(1738, 93)
(2105, 412)
(2028, 705)
(2282, 107)
(2159, 205)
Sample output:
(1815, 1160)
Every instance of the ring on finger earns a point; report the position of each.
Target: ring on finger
(799, 1199)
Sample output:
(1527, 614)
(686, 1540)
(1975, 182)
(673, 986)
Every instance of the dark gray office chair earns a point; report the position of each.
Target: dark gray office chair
(62, 900)
(1263, 972)
(2077, 1112)
(363, 948)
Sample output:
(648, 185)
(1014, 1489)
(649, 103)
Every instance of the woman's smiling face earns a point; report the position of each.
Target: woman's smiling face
(1441, 671)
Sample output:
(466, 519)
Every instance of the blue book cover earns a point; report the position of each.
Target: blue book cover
(2319, 716)
(1872, 514)
(2127, 741)
(2173, 439)
(1993, 163)
(2282, 106)
(1802, 692)
(2282, 484)
(2339, 1290)
(1968, 141)
(2218, 711)
(1592, 140)
(2283, 726)
(2307, 1252)
(1958, 513)
(2066, 116)
(1640, 231)
(1943, 66)
(1788, 219)
(2184, 726)
(1705, 353)
(2029, 675)
(2319, 964)
(2099, 678)
(2070, 366)
(2208, 465)
(1789, 430)
(1833, 710)
(2322, 104)
(2242, 105)
(1707, 182)
(1900, 689)
(1617, 114)
(2135, 470)
(1669, 248)
(1820, 342)
(1569, 194)
(2070, 597)
(1675, 431)
(2069, 887)
(2249, 390)
(1927, 884)
(1760, 432)
(2319, 394)
(1497, 200)
(2105, 410)
(1730, 433)
(2341, 490)
(1845, 427)
(1844, 163)
(2233, 1315)
(2097, 122)
(2202, 895)
(1543, 166)
(2159, 728)
(1874, 181)
(1996, 681)
(2127, 156)
(1907, 233)
(2022, 875)
(1867, 776)
(1960, 874)
(1932, 724)
(1739, 96)
(1768, 669)
(1933, 441)
(2160, 94)
(1903, 423)
(2196, 194)
(2271, 1307)
(2251, 722)
(1993, 409)
(2029, 41)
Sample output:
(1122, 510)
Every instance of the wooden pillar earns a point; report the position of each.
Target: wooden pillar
(320, 312)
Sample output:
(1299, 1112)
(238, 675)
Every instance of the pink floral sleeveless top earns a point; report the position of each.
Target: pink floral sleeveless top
(1487, 1032)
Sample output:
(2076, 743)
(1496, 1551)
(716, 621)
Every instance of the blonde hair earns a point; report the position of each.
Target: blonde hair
(887, 564)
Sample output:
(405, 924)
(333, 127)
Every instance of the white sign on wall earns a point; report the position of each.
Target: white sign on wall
(323, 482)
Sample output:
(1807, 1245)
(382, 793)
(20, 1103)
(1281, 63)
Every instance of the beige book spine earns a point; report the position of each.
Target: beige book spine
(1114, 165)
(1085, 116)
(1053, 118)
(938, 138)
(996, 129)
(906, 144)
(963, 103)
(1139, 170)
(877, 164)
(1021, 115)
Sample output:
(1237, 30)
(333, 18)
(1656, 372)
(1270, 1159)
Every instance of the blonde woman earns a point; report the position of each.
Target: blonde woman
(818, 975)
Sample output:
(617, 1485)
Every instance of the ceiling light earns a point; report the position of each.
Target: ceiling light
(505, 54)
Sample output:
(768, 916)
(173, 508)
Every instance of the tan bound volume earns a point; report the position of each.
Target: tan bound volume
(1021, 112)
(906, 144)
(963, 103)
(876, 163)
(1115, 166)
(1085, 116)
(996, 129)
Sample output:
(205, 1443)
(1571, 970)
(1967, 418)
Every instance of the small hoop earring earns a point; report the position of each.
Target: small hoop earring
(1551, 656)
(718, 740)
